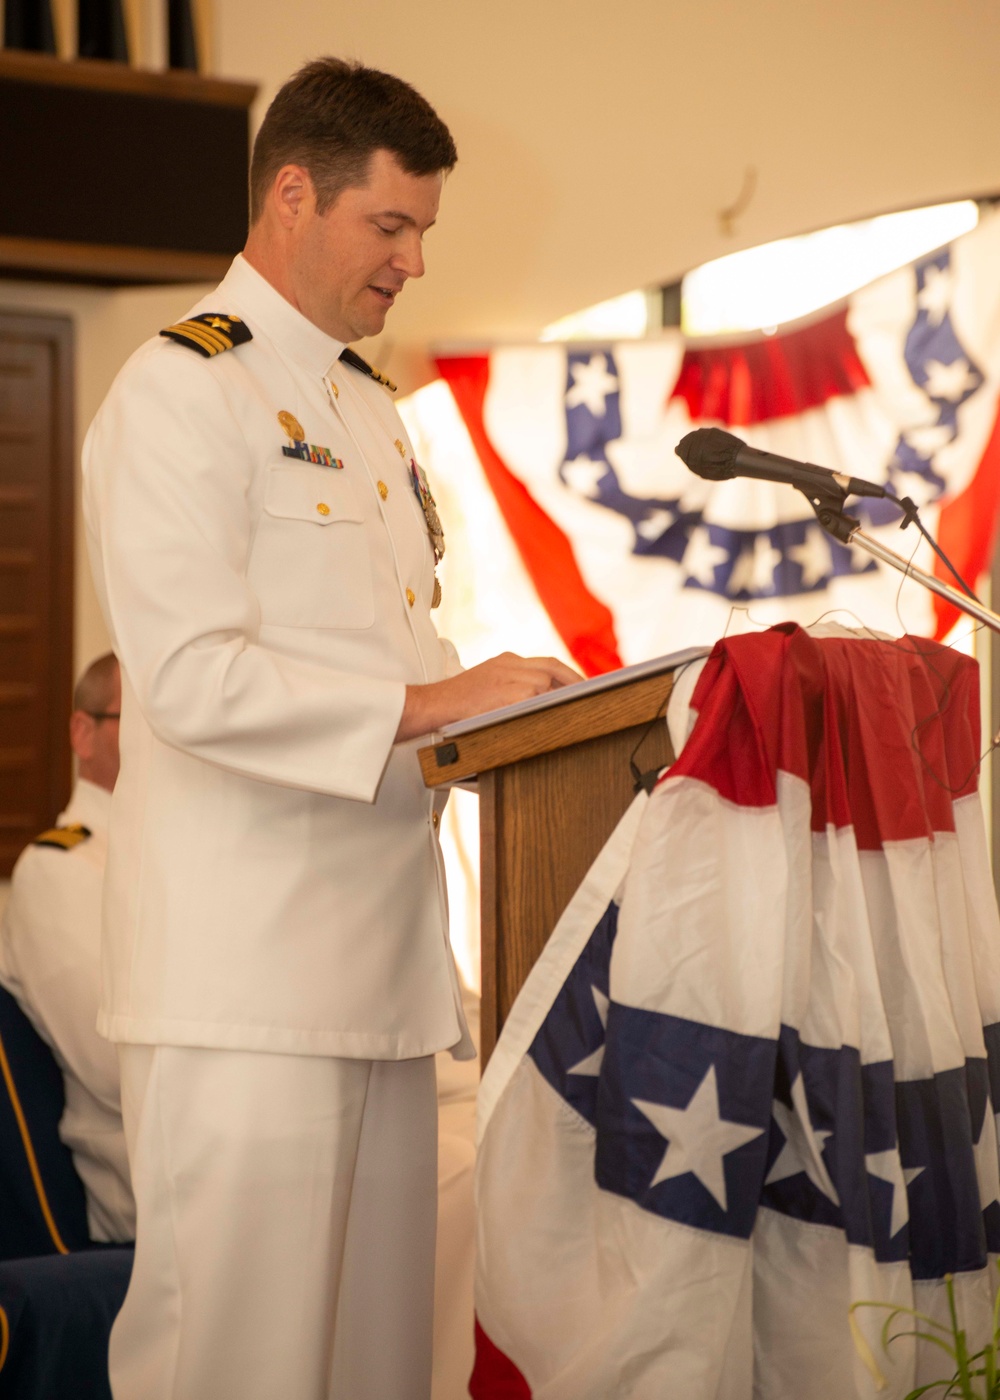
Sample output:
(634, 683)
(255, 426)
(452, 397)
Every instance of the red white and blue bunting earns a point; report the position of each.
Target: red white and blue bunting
(724, 1109)
(633, 557)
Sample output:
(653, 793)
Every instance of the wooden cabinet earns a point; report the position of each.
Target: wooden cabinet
(36, 575)
(115, 176)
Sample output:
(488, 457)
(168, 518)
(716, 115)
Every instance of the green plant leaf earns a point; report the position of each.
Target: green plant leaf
(925, 1337)
(969, 1368)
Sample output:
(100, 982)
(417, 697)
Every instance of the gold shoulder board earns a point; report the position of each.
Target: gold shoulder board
(210, 333)
(350, 357)
(63, 837)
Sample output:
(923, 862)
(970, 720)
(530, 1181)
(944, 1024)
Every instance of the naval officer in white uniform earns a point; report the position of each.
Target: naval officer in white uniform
(50, 954)
(277, 972)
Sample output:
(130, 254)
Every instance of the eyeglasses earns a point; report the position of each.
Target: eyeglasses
(104, 714)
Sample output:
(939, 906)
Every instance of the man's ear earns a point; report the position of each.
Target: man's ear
(81, 734)
(292, 194)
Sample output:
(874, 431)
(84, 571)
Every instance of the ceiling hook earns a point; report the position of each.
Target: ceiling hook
(729, 215)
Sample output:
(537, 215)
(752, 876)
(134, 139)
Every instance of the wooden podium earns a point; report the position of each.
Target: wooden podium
(552, 785)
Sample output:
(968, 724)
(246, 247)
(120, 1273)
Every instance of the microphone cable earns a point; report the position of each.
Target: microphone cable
(910, 512)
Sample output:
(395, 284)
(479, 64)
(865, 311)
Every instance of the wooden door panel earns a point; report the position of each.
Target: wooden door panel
(36, 575)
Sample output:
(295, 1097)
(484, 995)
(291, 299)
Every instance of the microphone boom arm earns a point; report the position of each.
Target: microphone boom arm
(829, 508)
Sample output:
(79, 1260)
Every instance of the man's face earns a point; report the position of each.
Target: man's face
(95, 738)
(351, 263)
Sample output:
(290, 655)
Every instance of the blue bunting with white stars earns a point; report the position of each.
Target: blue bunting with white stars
(742, 565)
(806, 1131)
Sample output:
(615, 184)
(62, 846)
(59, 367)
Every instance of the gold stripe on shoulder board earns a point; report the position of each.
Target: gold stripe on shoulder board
(64, 838)
(210, 333)
(208, 342)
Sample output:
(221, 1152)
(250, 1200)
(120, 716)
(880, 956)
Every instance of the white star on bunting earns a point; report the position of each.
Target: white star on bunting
(935, 296)
(917, 487)
(929, 439)
(583, 474)
(702, 557)
(887, 1167)
(949, 381)
(697, 1137)
(754, 569)
(592, 383)
(654, 525)
(813, 555)
(803, 1149)
(987, 1166)
(591, 1064)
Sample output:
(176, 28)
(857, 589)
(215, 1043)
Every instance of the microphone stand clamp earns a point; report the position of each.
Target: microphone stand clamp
(829, 507)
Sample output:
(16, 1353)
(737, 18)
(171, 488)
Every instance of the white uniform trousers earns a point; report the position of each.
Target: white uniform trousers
(454, 1319)
(285, 1227)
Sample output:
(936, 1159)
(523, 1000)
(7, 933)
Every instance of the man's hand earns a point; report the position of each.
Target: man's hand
(502, 680)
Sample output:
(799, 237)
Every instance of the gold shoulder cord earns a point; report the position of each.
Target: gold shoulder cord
(29, 1152)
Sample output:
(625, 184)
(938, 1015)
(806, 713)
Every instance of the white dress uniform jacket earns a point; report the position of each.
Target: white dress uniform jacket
(50, 960)
(274, 880)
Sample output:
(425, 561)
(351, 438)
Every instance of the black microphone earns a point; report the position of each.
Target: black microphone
(718, 456)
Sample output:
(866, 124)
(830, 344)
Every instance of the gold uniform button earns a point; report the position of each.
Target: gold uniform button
(411, 597)
(435, 821)
(333, 389)
(383, 490)
(323, 508)
(400, 448)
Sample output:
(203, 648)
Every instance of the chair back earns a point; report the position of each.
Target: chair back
(44, 1206)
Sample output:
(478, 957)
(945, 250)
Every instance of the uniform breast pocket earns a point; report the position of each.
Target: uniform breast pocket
(310, 564)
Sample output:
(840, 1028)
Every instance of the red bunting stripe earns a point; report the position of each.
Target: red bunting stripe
(584, 623)
(773, 377)
(967, 530)
(494, 1376)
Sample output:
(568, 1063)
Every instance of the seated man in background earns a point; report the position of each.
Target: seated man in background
(50, 954)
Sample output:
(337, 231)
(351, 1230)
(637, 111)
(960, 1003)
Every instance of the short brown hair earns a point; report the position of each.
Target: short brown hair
(94, 688)
(331, 117)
